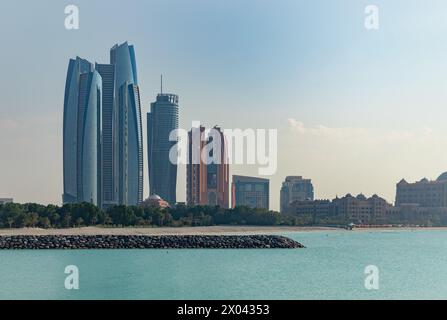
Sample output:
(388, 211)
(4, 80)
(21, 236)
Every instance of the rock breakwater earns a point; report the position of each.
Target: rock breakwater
(148, 242)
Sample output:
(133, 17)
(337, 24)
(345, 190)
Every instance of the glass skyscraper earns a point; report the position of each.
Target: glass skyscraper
(162, 119)
(103, 139)
(109, 189)
(82, 133)
(129, 142)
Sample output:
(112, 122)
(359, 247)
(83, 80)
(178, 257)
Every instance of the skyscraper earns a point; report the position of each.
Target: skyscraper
(295, 188)
(207, 184)
(129, 135)
(161, 120)
(82, 133)
(103, 139)
(109, 161)
(250, 192)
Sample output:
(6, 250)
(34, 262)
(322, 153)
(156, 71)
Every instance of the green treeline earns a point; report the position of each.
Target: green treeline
(14, 215)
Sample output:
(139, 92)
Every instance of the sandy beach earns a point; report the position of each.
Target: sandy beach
(212, 230)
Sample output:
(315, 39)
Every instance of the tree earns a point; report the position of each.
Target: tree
(44, 222)
(66, 220)
(31, 219)
(9, 221)
(55, 219)
(122, 215)
(79, 222)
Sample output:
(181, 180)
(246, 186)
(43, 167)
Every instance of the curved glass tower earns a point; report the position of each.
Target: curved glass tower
(129, 136)
(103, 139)
(82, 133)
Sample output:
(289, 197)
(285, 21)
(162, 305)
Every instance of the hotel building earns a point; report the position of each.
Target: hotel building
(207, 184)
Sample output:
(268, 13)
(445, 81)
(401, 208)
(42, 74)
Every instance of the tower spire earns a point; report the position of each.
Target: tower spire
(161, 84)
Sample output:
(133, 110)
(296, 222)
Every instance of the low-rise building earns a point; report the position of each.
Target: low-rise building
(155, 201)
(362, 210)
(359, 209)
(315, 208)
(423, 193)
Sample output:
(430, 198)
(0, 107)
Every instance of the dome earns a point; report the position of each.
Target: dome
(155, 197)
(442, 177)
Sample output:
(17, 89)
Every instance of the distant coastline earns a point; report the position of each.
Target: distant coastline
(202, 230)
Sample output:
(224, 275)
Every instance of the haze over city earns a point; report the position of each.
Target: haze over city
(356, 110)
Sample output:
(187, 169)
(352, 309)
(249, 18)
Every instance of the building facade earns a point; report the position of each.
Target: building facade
(315, 208)
(82, 133)
(362, 210)
(250, 192)
(162, 119)
(423, 193)
(109, 161)
(102, 131)
(207, 183)
(129, 169)
(295, 188)
(359, 209)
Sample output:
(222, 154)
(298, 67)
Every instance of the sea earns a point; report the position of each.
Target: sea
(365, 264)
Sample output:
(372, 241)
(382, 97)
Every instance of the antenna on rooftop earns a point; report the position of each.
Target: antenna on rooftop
(161, 84)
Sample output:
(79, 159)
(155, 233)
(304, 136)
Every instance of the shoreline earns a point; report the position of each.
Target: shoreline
(209, 230)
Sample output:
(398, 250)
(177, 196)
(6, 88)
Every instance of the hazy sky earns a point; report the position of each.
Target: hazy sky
(356, 110)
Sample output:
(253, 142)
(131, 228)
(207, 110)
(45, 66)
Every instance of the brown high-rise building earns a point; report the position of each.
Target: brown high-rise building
(207, 184)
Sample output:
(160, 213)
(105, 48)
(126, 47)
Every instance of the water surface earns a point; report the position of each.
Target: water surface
(412, 265)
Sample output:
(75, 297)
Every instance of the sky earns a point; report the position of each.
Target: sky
(356, 110)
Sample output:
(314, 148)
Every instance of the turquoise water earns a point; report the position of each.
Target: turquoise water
(412, 265)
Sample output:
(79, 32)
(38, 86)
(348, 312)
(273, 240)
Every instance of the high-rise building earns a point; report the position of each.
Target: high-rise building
(207, 183)
(423, 193)
(295, 188)
(250, 192)
(103, 139)
(109, 161)
(82, 133)
(129, 135)
(161, 120)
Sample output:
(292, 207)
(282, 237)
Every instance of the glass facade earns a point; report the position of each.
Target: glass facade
(82, 133)
(103, 139)
(162, 119)
(129, 126)
(109, 180)
(251, 192)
